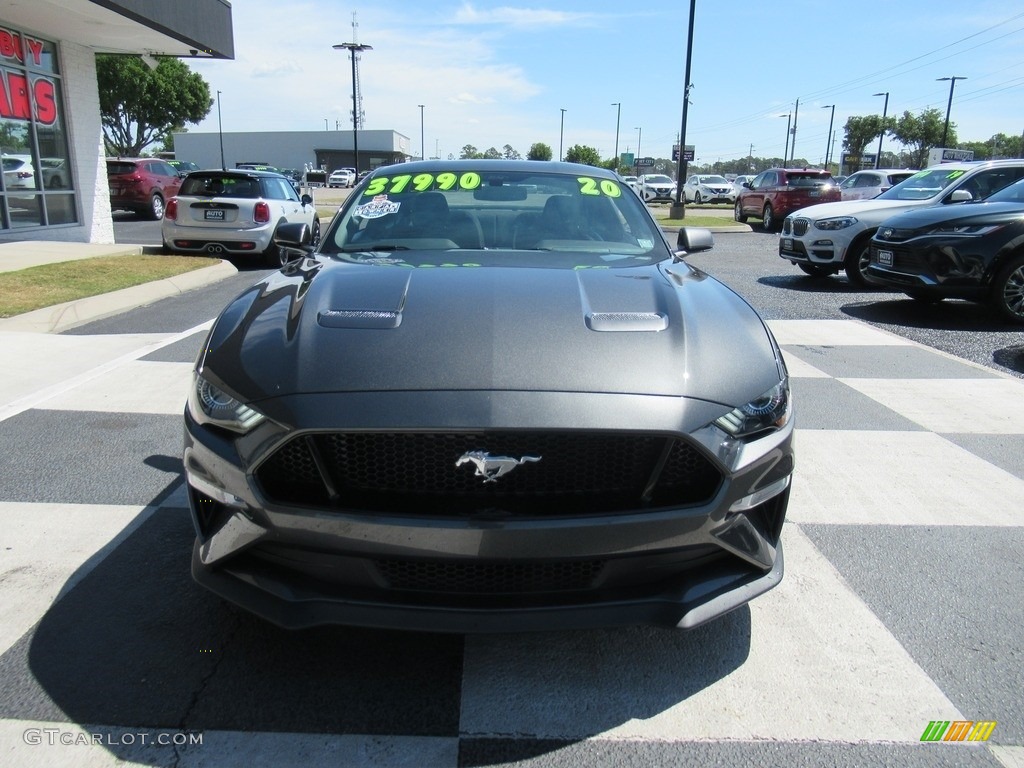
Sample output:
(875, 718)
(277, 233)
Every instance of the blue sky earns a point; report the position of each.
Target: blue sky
(497, 73)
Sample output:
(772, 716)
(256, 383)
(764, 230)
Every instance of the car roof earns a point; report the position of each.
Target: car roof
(242, 173)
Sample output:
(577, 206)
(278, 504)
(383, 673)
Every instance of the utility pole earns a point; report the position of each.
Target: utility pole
(796, 113)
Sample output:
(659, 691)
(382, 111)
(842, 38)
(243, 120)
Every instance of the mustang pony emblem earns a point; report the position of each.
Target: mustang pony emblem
(492, 467)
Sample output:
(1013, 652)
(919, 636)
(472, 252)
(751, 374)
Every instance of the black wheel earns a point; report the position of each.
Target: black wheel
(816, 270)
(697, 198)
(738, 214)
(1008, 291)
(768, 218)
(856, 263)
(314, 232)
(155, 212)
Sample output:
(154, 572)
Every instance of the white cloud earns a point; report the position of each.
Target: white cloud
(276, 69)
(517, 17)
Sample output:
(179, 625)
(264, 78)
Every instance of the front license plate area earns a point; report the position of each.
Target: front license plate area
(787, 244)
(213, 214)
(885, 258)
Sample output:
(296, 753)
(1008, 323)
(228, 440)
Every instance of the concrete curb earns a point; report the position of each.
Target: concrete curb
(62, 317)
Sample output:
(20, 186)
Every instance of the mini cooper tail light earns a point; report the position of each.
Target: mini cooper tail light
(261, 213)
(171, 209)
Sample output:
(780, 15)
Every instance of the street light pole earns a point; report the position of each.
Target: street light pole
(561, 133)
(789, 119)
(353, 49)
(220, 133)
(678, 209)
(828, 143)
(949, 104)
(423, 152)
(796, 114)
(885, 111)
(618, 116)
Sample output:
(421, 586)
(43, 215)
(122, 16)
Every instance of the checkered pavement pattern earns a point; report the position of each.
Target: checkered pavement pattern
(900, 604)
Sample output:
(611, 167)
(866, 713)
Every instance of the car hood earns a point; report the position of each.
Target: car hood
(863, 210)
(322, 326)
(927, 217)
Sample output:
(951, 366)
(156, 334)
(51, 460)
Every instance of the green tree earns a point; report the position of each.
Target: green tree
(539, 151)
(510, 153)
(491, 153)
(586, 155)
(139, 105)
(921, 133)
(469, 152)
(862, 130)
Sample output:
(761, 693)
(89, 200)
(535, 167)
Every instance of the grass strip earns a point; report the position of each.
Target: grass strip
(49, 284)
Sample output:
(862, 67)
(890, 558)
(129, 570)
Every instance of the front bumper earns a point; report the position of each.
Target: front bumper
(430, 568)
(799, 242)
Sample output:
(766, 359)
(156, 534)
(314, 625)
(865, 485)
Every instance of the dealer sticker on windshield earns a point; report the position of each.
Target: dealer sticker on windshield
(376, 208)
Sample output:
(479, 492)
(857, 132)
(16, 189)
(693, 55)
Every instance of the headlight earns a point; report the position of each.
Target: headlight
(967, 230)
(766, 413)
(211, 405)
(841, 222)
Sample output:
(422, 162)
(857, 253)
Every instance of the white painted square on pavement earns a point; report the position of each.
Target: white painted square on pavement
(848, 477)
(138, 386)
(831, 333)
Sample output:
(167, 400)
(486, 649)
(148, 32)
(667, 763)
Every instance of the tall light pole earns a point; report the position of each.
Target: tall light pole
(220, 133)
(618, 116)
(949, 104)
(828, 144)
(796, 114)
(561, 133)
(353, 49)
(423, 153)
(678, 209)
(789, 119)
(885, 111)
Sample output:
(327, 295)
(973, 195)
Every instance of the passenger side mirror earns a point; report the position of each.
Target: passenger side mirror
(960, 196)
(693, 240)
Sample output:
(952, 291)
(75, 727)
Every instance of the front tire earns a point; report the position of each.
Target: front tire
(856, 264)
(738, 214)
(314, 233)
(697, 199)
(768, 218)
(1008, 291)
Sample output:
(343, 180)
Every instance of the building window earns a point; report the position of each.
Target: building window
(37, 178)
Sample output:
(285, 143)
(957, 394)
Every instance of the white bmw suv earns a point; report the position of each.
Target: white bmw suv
(828, 238)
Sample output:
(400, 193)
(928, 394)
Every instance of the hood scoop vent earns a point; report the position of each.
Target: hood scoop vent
(359, 318)
(626, 321)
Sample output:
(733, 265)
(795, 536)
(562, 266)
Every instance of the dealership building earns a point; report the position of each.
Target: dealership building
(54, 182)
(319, 150)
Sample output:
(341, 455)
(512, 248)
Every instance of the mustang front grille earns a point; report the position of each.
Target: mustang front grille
(554, 473)
(490, 578)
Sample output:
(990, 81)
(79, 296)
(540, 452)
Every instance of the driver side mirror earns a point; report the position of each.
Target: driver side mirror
(693, 240)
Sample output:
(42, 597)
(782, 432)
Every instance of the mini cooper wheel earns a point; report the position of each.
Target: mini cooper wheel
(314, 233)
(738, 214)
(768, 218)
(1008, 291)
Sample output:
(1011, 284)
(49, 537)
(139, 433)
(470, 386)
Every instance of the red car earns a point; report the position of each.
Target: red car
(777, 192)
(141, 184)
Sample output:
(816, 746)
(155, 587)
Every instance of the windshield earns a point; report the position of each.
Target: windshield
(711, 180)
(922, 185)
(502, 216)
(808, 179)
(657, 178)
